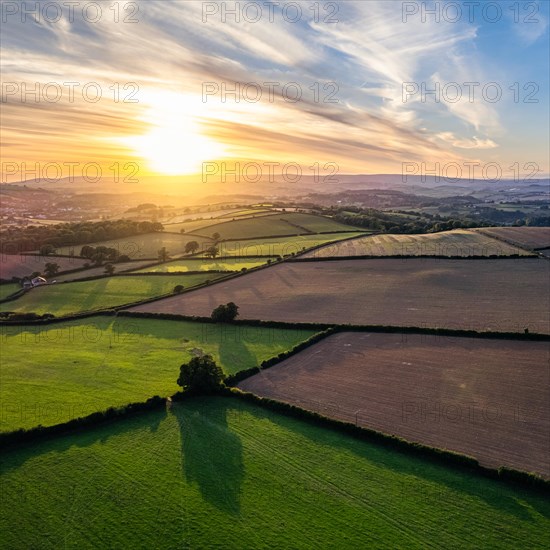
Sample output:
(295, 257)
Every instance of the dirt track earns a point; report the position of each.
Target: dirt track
(501, 295)
(485, 398)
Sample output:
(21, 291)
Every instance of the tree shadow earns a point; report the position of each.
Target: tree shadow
(234, 354)
(212, 455)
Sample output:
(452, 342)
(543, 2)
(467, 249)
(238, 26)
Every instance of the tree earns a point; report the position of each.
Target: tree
(47, 249)
(216, 236)
(211, 251)
(182, 230)
(191, 247)
(163, 254)
(109, 269)
(201, 375)
(178, 289)
(51, 269)
(225, 313)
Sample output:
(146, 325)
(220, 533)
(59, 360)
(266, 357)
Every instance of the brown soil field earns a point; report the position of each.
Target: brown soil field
(497, 295)
(489, 399)
(21, 265)
(458, 242)
(529, 237)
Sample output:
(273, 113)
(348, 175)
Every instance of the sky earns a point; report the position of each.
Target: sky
(166, 87)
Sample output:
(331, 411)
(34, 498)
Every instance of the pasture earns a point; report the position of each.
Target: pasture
(483, 295)
(7, 289)
(528, 237)
(66, 298)
(53, 373)
(279, 246)
(489, 399)
(449, 243)
(204, 264)
(24, 265)
(144, 246)
(218, 473)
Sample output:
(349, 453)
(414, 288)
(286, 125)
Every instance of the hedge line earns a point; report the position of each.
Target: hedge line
(393, 442)
(112, 413)
(412, 257)
(233, 379)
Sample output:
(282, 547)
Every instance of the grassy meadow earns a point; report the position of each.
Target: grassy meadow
(219, 473)
(66, 298)
(52, 373)
(204, 264)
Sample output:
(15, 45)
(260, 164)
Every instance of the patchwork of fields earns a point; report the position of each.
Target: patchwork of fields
(66, 370)
(462, 294)
(217, 473)
(484, 398)
(25, 265)
(66, 298)
(449, 243)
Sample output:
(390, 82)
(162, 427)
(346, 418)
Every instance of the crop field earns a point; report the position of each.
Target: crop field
(489, 399)
(280, 223)
(52, 373)
(23, 265)
(65, 298)
(100, 270)
(7, 289)
(203, 264)
(279, 246)
(449, 243)
(142, 246)
(217, 473)
(462, 294)
(247, 213)
(529, 237)
(189, 226)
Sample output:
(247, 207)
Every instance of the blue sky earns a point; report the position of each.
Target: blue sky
(171, 50)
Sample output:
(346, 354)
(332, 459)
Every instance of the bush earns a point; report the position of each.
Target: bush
(201, 375)
(225, 313)
(178, 289)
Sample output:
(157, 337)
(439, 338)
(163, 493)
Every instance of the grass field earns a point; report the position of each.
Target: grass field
(65, 298)
(278, 246)
(7, 289)
(449, 243)
(464, 294)
(489, 399)
(98, 271)
(25, 265)
(529, 237)
(217, 473)
(280, 223)
(50, 374)
(142, 246)
(204, 264)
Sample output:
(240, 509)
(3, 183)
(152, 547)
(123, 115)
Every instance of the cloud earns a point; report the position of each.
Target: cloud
(466, 143)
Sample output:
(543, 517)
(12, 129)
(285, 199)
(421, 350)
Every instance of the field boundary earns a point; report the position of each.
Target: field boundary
(442, 456)
(417, 257)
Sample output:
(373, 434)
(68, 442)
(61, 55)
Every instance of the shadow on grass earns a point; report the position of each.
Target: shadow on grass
(211, 453)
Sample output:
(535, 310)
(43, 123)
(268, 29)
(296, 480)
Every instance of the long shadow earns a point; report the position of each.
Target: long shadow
(212, 455)
(232, 349)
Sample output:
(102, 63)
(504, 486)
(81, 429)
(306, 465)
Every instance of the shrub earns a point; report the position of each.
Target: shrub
(225, 313)
(178, 289)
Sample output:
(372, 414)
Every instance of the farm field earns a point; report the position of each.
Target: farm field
(449, 243)
(463, 294)
(218, 473)
(529, 237)
(23, 265)
(142, 246)
(53, 373)
(65, 298)
(7, 289)
(280, 223)
(203, 264)
(489, 399)
(189, 226)
(100, 270)
(279, 246)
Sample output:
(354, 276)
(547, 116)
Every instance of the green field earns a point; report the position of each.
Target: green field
(50, 374)
(142, 246)
(458, 242)
(246, 213)
(203, 264)
(278, 246)
(280, 223)
(7, 289)
(217, 473)
(65, 298)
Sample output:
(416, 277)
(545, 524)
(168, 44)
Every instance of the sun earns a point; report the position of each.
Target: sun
(176, 143)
